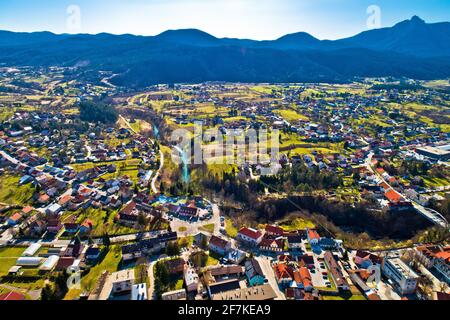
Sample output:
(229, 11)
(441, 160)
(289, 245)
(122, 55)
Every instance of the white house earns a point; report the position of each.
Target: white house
(250, 236)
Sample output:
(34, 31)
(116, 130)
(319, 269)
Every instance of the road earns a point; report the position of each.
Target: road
(158, 173)
(151, 278)
(267, 269)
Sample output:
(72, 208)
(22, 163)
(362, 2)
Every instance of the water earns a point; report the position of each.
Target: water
(156, 131)
(185, 171)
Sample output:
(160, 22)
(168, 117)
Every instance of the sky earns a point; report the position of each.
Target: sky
(250, 19)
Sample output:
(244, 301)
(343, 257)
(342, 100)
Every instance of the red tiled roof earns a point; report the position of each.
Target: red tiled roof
(312, 234)
(283, 271)
(12, 296)
(16, 217)
(129, 208)
(380, 170)
(27, 209)
(443, 255)
(218, 242)
(251, 233)
(306, 277)
(393, 196)
(274, 230)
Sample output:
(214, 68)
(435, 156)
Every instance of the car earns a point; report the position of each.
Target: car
(325, 277)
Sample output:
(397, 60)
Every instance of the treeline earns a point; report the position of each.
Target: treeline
(97, 112)
(356, 219)
(298, 178)
(400, 87)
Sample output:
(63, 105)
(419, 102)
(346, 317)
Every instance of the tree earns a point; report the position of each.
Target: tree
(47, 292)
(173, 248)
(142, 220)
(106, 241)
(97, 112)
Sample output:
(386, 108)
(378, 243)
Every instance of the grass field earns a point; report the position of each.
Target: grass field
(8, 258)
(12, 193)
(290, 115)
(231, 230)
(208, 228)
(110, 262)
(296, 224)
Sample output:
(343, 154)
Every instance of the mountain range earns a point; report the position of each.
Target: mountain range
(412, 48)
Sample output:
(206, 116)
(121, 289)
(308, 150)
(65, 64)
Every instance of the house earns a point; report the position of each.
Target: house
(129, 214)
(274, 231)
(226, 271)
(219, 245)
(335, 271)
(284, 274)
(442, 264)
(254, 273)
(302, 279)
(122, 281)
(313, 237)
(174, 295)
(147, 246)
(54, 209)
(236, 256)
(139, 292)
(201, 238)
(294, 242)
(74, 249)
(37, 227)
(65, 200)
(222, 286)
(191, 279)
(175, 266)
(328, 243)
(366, 259)
(92, 254)
(54, 225)
(15, 219)
(250, 236)
(43, 198)
(187, 211)
(86, 227)
(269, 244)
(26, 210)
(71, 227)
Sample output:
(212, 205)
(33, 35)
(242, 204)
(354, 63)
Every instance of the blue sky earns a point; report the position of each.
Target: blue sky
(255, 19)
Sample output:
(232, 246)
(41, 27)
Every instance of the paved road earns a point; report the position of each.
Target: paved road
(267, 269)
(151, 277)
(158, 173)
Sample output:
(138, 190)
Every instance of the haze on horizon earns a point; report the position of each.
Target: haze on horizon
(252, 19)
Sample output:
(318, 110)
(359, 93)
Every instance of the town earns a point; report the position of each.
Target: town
(93, 207)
